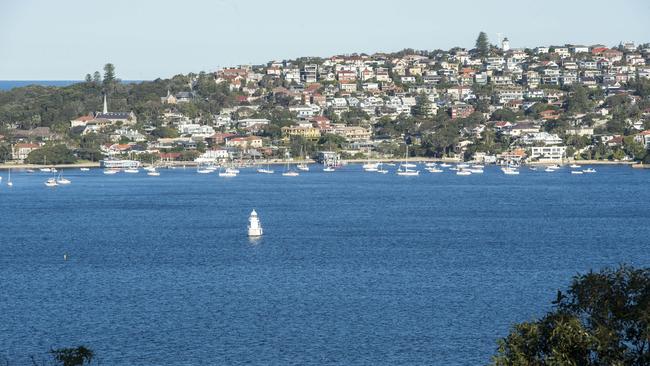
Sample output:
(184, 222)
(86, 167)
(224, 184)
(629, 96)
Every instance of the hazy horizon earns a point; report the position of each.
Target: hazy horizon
(158, 39)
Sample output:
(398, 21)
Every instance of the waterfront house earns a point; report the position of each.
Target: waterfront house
(21, 150)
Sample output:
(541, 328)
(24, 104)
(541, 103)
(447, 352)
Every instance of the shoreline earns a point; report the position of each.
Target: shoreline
(633, 164)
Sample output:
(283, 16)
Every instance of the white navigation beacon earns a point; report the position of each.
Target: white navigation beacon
(254, 227)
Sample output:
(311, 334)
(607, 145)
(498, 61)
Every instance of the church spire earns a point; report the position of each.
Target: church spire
(105, 105)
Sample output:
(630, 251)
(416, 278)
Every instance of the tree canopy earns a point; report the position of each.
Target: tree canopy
(603, 319)
(482, 44)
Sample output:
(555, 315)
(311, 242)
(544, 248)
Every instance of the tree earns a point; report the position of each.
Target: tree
(422, 106)
(603, 319)
(97, 78)
(73, 356)
(54, 154)
(482, 44)
(89, 78)
(578, 102)
(109, 75)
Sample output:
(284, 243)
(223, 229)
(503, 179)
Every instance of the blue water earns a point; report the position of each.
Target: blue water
(354, 268)
(10, 84)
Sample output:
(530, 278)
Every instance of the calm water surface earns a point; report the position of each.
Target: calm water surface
(354, 268)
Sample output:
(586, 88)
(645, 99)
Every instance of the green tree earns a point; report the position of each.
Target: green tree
(422, 106)
(482, 44)
(109, 75)
(77, 356)
(578, 101)
(89, 78)
(53, 154)
(97, 78)
(603, 319)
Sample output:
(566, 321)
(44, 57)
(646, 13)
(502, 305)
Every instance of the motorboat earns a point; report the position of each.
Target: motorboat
(577, 172)
(575, 166)
(589, 170)
(110, 171)
(463, 172)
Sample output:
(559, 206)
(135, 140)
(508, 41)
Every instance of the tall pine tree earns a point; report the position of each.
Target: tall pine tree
(482, 44)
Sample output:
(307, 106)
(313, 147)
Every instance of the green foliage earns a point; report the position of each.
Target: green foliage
(54, 154)
(504, 114)
(578, 101)
(73, 356)
(482, 45)
(332, 141)
(603, 319)
(165, 132)
(109, 75)
(5, 152)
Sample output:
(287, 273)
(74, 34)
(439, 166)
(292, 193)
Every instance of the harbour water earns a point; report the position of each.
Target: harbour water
(354, 268)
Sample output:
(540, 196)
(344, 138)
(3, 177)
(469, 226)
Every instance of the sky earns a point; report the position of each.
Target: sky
(147, 39)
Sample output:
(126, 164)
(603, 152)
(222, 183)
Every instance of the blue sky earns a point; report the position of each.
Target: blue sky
(145, 39)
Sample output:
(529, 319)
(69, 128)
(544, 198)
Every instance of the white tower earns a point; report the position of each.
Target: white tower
(105, 105)
(254, 227)
(505, 44)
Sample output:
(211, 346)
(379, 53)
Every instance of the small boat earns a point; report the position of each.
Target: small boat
(62, 181)
(434, 170)
(589, 170)
(110, 171)
(132, 170)
(554, 166)
(84, 169)
(408, 172)
(51, 182)
(29, 170)
(46, 170)
(476, 170)
(577, 172)
(329, 169)
(265, 171)
(478, 166)
(9, 182)
(153, 173)
(463, 172)
(53, 170)
(303, 167)
(204, 171)
(227, 174)
(404, 170)
(445, 165)
(370, 167)
(462, 165)
(232, 170)
(510, 170)
(549, 170)
(382, 171)
(575, 166)
(533, 168)
(430, 165)
(290, 173)
(254, 226)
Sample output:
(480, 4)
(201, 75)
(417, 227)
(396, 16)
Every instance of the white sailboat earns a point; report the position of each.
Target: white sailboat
(254, 226)
(9, 182)
(61, 180)
(368, 166)
(228, 173)
(266, 170)
(404, 170)
(153, 173)
(110, 171)
(289, 172)
(84, 169)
